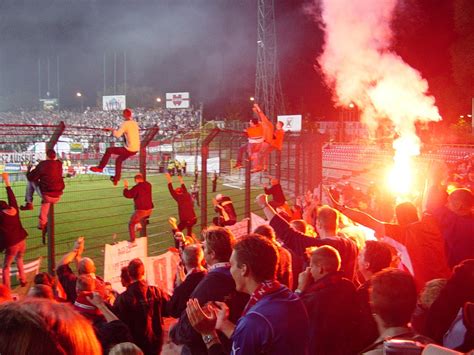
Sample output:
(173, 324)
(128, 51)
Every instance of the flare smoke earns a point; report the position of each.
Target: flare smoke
(360, 66)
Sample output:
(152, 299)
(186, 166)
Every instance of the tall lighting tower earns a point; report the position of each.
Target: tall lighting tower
(268, 93)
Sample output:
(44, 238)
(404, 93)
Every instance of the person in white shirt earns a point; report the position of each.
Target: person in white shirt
(129, 129)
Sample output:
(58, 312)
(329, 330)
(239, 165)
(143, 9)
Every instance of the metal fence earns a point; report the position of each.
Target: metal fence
(92, 207)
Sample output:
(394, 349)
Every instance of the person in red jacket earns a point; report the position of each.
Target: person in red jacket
(47, 180)
(143, 200)
(187, 216)
(12, 235)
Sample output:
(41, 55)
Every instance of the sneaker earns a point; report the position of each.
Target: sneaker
(173, 222)
(27, 207)
(96, 169)
(115, 182)
(132, 244)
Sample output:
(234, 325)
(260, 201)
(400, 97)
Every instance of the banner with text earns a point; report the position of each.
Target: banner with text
(119, 255)
(177, 100)
(161, 270)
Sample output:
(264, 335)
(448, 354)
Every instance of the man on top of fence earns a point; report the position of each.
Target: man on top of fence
(47, 180)
(255, 140)
(129, 129)
(12, 235)
(143, 201)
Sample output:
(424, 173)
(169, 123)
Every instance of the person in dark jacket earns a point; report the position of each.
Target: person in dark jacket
(330, 300)
(275, 190)
(12, 235)
(284, 272)
(327, 225)
(225, 208)
(374, 257)
(192, 259)
(85, 266)
(143, 201)
(217, 285)
(141, 308)
(274, 320)
(47, 180)
(214, 182)
(187, 216)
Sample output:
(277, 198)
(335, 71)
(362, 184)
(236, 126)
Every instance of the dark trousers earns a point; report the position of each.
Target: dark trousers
(188, 225)
(122, 154)
(221, 222)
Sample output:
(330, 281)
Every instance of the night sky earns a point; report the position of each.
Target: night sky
(208, 47)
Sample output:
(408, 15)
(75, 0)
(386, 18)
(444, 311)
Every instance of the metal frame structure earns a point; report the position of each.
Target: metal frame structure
(268, 92)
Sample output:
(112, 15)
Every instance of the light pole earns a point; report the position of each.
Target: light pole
(81, 97)
(158, 102)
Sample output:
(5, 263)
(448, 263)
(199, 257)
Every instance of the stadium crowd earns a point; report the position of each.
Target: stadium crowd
(170, 121)
(311, 280)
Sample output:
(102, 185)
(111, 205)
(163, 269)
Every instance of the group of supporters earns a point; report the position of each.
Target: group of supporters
(287, 288)
(312, 280)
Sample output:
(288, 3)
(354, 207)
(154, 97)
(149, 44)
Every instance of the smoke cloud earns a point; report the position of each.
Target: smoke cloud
(360, 66)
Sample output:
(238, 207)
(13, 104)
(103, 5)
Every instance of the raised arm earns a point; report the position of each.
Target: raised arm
(75, 254)
(11, 195)
(181, 181)
(293, 239)
(358, 216)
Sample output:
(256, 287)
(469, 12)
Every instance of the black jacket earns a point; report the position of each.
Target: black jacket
(49, 176)
(141, 308)
(141, 194)
(218, 285)
(298, 242)
(11, 229)
(181, 294)
(185, 203)
(332, 311)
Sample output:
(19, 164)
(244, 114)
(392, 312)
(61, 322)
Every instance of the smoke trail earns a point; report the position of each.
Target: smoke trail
(360, 67)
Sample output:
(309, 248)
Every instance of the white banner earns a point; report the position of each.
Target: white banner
(212, 163)
(291, 123)
(177, 100)
(113, 102)
(161, 270)
(240, 228)
(119, 255)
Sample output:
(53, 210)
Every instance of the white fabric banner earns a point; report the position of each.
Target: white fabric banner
(240, 228)
(177, 100)
(119, 255)
(161, 270)
(291, 123)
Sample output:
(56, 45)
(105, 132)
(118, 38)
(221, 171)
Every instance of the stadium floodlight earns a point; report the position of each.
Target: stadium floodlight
(78, 94)
(158, 99)
(252, 98)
